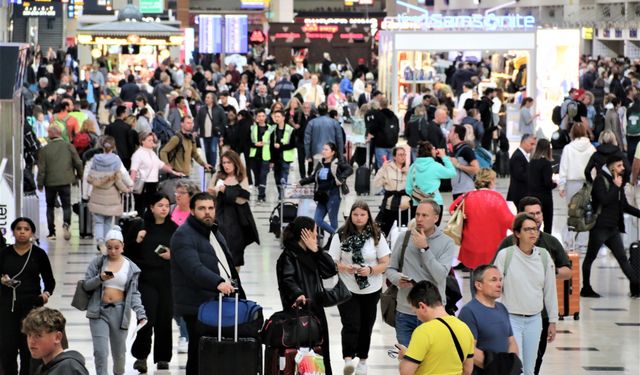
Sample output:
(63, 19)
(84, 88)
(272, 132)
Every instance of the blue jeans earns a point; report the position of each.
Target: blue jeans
(211, 150)
(405, 325)
(380, 152)
(280, 173)
(182, 326)
(527, 334)
(331, 207)
(262, 178)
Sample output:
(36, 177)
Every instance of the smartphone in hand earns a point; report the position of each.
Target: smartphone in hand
(108, 273)
(161, 249)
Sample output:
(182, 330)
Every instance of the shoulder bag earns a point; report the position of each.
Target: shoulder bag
(455, 340)
(455, 224)
(80, 297)
(389, 298)
(417, 193)
(335, 295)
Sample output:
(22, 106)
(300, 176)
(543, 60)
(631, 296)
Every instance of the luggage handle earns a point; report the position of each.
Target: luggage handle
(235, 325)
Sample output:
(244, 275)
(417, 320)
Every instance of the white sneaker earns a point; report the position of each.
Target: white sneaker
(183, 345)
(349, 367)
(361, 369)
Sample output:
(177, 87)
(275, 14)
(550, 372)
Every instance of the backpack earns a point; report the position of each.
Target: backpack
(391, 129)
(598, 123)
(62, 124)
(556, 115)
(171, 155)
(82, 142)
(572, 110)
(580, 213)
(484, 157)
(633, 119)
(161, 128)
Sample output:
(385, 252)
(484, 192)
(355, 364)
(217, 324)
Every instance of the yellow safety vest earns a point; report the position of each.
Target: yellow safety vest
(254, 139)
(287, 155)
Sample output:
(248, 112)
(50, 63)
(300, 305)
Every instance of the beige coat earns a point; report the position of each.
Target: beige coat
(106, 189)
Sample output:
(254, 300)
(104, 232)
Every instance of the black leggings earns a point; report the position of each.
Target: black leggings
(610, 237)
(158, 304)
(358, 315)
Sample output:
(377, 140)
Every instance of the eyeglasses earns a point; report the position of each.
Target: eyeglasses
(180, 193)
(530, 230)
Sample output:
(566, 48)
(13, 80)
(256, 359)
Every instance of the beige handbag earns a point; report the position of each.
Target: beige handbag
(455, 224)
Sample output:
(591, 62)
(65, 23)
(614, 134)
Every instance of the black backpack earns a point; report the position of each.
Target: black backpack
(556, 115)
(162, 130)
(391, 129)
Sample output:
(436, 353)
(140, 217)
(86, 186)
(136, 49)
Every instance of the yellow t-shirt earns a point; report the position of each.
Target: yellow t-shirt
(433, 348)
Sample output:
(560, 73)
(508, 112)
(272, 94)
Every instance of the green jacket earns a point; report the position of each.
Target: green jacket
(58, 164)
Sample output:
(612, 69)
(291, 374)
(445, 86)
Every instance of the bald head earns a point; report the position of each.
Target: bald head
(54, 132)
(440, 117)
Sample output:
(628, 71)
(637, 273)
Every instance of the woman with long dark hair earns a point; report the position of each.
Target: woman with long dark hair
(330, 176)
(541, 184)
(152, 255)
(21, 267)
(361, 254)
(235, 220)
(299, 269)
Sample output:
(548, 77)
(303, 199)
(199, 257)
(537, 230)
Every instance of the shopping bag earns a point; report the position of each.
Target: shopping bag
(309, 362)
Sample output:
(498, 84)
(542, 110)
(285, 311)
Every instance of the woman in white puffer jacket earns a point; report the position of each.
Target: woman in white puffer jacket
(574, 160)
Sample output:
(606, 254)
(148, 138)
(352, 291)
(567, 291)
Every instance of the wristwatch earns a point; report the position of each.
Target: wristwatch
(423, 250)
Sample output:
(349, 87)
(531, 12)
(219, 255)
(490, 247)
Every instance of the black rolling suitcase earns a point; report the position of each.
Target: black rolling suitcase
(240, 356)
(501, 165)
(363, 176)
(85, 218)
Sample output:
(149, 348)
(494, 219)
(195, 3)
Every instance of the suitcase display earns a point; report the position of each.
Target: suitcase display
(569, 290)
(282, 361)
(501, 165)
(31, 209)
(363, 177)
(240, 356)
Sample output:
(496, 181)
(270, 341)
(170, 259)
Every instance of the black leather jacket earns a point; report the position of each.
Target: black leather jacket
(299, 272)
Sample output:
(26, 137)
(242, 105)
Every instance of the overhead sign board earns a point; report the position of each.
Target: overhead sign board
(151, 6)
(479, 22)
(40, 9)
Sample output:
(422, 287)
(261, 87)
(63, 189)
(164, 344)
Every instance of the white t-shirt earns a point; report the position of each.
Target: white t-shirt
(370, 253)
(147, 164)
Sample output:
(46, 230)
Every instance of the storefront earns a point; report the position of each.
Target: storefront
(126, 44)
(543, 64)
(346, 43)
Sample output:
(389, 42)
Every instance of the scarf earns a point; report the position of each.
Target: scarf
(354, 245)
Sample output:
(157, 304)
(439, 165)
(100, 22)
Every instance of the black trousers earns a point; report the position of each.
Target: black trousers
(142, 200)
(158, 304)
(51, 193)
(304, 167)
(260, 172)
(358, 315)
(248, 166)
(610, 237)
(12, 341)
(193, 355)
(542, 346)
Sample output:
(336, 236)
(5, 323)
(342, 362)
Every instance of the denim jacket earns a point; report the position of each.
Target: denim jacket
(132, 300)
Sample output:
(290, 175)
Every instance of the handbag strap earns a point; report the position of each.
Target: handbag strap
(405, 242)
(455, 339)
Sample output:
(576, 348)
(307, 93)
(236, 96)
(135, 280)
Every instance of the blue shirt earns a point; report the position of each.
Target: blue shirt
(490, 326)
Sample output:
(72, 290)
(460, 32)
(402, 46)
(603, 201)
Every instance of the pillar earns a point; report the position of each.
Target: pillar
(282, 11)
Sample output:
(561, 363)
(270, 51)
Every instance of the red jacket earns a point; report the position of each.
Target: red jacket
(487, 219)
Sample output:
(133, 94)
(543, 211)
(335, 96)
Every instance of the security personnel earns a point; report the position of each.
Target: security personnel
(259, 165)
(280, 151)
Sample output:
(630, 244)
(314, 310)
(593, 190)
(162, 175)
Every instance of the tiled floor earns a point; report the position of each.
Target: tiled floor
(606, 339)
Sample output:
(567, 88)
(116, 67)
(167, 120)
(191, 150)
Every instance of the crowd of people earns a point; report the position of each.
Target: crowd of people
(139, 132)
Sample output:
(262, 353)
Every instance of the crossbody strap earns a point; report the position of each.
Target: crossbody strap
(455, 340)
(405, 242)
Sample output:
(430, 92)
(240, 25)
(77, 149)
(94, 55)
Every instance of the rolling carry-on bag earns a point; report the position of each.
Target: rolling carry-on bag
(569, 290)
(363, 177)
(501, 165)
(218, 355)
(634, 259)
(31, 208)
(85, 218)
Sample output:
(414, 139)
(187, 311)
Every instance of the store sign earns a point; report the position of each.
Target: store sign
(437, 21)
(351, 3)
(39, 9)
(257, 37)
(587, 33)
(151, 6)
(132, 39)
(254, 4)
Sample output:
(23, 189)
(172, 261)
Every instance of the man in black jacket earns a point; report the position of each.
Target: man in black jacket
(130, 90)
(201, 268)
(126, 137)
(377, 131)
(607, 196)
(519, 169)
(211, 121)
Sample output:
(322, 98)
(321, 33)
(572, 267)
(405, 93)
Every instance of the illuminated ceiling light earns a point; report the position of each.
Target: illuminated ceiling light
(96, 53)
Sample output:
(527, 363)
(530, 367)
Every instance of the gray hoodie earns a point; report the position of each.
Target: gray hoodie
(432, 265)
(68, 362)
